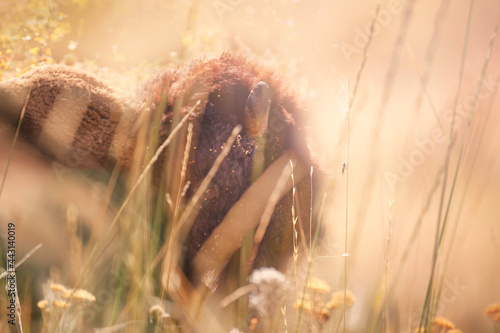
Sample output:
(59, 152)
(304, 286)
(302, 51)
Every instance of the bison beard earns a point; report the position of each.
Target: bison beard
(72, 116)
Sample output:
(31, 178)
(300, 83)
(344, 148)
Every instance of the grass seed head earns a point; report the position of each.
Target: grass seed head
(42, 304)
(492, 311)
(441, 324)
(318, 285)
(338, 299)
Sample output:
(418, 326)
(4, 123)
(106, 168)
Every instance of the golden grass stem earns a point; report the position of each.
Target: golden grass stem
(425, 321)
(461, 154)
(365, 56)
(309, 266)
(140, 180)
(424, 87)
(26, 256)
(181, 229)
(311, 209)
(372, 150)
(295, 244)
(283, 312)
(386, 277)
(19, 325)
(346, 253)
(245, 215)
(309, 257)
(425, 74)
(467, 129)
(11, 151)
(183, 169)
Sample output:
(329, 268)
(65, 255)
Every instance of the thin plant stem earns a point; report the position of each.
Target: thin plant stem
(372, 151)
(365, 56)
(146, 170)
(11, 152)
(179, 231)
(295, 245)
(424, 86)
(462, 149)
(426, 69)
(425, 317)
(315, 240)
(386, 278)
(346, 253)
(20, 262)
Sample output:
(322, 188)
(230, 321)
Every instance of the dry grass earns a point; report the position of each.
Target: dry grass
(426, 262)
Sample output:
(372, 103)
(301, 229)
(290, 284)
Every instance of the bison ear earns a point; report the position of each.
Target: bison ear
(257, 110)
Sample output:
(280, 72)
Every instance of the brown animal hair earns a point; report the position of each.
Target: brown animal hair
(75, 118)
(223, 85)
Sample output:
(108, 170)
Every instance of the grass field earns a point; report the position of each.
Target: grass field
(404, 109)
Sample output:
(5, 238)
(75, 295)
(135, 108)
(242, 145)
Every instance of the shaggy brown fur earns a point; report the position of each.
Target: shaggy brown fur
(104, 132)
(223, 85)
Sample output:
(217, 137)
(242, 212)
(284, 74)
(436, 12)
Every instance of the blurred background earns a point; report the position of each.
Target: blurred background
(382, 95)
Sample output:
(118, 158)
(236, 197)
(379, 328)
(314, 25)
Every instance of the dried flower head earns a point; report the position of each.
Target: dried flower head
(58, 304)
(492, 311)
(304, 303)
(62, 308)
(318, 285)
(338, 299)
(82, 295)
(61, 291)
(58, 289)
(267, 275)
(313, 302)
(441, 324)
(322, 316)
(235, 330)
(163, 321)
(156, 312)
(253, 323)
(42, 304)
(270, 286)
